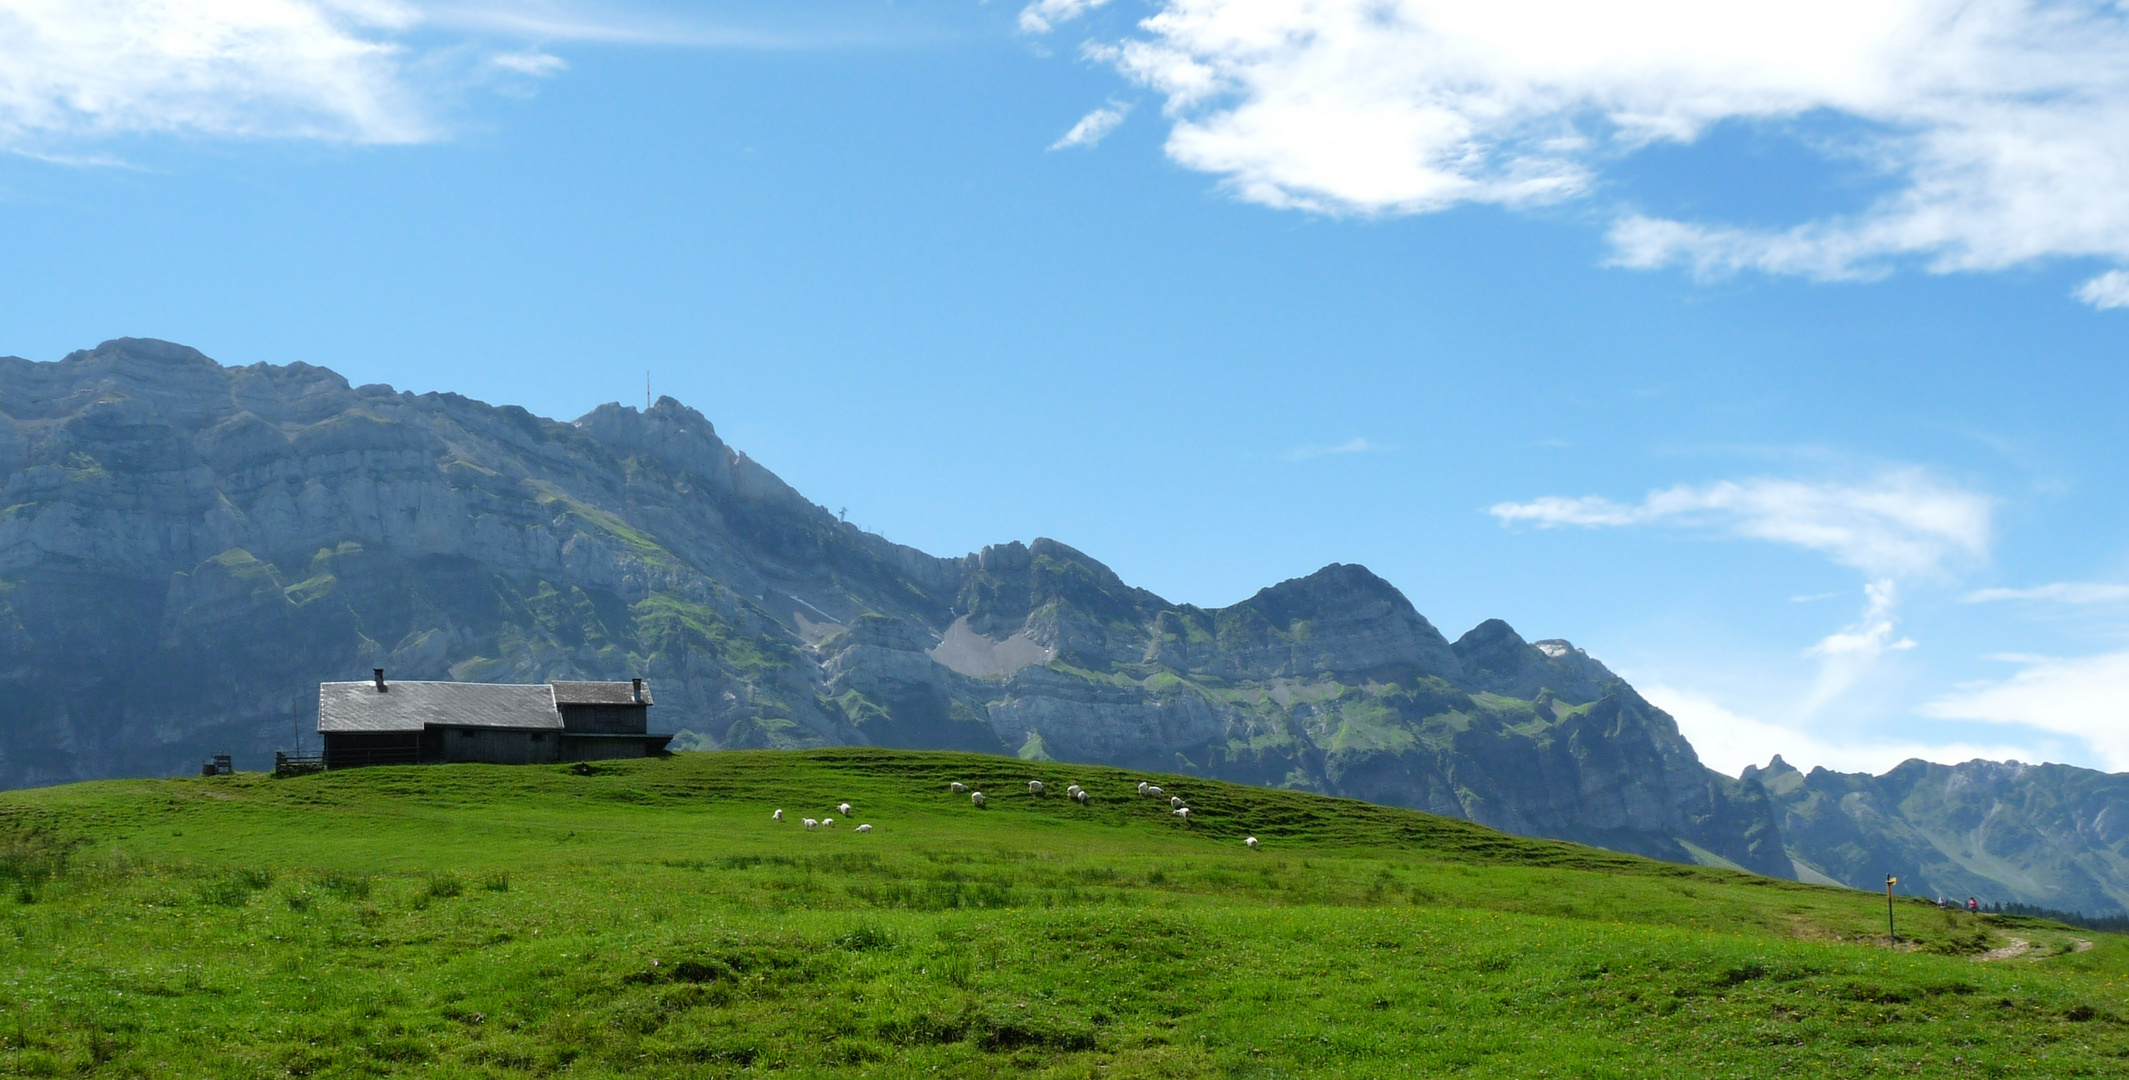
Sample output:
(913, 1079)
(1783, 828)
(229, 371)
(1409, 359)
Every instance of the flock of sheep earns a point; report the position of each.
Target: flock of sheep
(1075, 793)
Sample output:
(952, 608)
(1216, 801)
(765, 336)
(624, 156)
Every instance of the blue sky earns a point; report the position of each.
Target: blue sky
(1773, 353)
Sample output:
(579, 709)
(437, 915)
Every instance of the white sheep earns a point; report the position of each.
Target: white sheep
(827, 823)
(1080, 796)
(1142, 786)
(843, 809)
(777, 816)
(868, 828)
(812, 824)
(1154, 791)
(1072, 791)
(1175, 801)
(1252, 842)
(1184, 813)
(976, 798)
(957, 787)
(1034, 787)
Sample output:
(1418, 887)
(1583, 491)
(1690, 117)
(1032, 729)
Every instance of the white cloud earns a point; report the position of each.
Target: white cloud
(1042, 15)
(1848, 654)
(2109, 290)
(1093, 127)
(1727, 741)
(1355, 445)
(2062, 592)
(306, 68)
(2003, 125)
(539, 65)
(2080, 697)
(1902, 523)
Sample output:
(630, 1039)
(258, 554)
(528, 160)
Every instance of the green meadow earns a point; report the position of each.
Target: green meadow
(650, 920)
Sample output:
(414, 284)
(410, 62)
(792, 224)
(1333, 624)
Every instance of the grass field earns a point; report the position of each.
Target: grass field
(650, 920)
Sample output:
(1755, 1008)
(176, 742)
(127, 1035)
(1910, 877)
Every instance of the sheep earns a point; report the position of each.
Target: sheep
(1034, 787)
(957, 787)
(827, 823)
(1142, 786)
(976, 798)
(1080, 796)
(1252, 842)
(843, 809)
(1154, 791)
(812, 824)
(1175, 801)
(1071, 791)
(777, 816)
(868, 828)
(1184, 813)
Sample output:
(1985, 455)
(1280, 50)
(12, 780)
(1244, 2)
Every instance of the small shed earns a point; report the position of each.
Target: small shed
(405, 723)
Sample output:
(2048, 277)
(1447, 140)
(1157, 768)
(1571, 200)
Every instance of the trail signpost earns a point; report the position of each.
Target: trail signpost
(1890, 881)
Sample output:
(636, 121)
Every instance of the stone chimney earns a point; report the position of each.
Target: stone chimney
(378, 674)
(638, 699)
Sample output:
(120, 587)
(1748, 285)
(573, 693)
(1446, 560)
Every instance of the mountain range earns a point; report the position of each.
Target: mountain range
(188, 549)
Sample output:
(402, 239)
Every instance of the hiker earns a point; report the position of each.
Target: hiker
(1973, 906)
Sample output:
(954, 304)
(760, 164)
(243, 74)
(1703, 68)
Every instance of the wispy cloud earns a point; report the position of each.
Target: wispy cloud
(1093, 127)
(2080, 697)
(1042, 15)
(539, 65)
(1848, 654)
(351, 71)
(2109, 290)
(302, 68)
(1355, 445)
(2002, 126)
(2060, 592)
(1901, 523)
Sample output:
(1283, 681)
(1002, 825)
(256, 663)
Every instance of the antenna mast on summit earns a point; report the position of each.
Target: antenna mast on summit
(646, 390)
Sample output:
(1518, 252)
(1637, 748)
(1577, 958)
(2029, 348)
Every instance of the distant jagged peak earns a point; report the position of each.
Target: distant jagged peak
(1495, 658)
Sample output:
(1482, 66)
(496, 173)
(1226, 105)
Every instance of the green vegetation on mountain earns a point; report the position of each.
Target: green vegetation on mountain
(651, 920)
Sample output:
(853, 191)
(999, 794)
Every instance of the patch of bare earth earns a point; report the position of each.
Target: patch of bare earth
(2017, 947)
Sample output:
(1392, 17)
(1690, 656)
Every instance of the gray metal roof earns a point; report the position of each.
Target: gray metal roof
(599, 693)
(406, 706)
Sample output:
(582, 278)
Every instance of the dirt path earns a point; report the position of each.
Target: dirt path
(2017, 947)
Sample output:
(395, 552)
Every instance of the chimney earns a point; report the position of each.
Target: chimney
(378, 674)
(638, 691)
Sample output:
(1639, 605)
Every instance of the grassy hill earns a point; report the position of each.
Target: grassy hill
(650, 920)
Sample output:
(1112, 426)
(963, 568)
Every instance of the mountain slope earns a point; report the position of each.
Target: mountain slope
(2054, 836)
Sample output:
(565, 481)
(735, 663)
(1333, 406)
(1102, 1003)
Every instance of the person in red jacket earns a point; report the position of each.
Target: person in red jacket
(1973, 906)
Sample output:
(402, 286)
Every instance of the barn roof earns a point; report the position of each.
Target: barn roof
(406, 706)
(599, 693)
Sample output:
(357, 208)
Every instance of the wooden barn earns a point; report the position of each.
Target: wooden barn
(406, 723)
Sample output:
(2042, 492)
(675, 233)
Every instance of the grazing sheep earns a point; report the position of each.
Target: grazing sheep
(843, 809)
(777, 816)
(1072, 790)
(1175, 801)
(957, 787)
(1184, 813)
(1252, 842)
(976, 798)
(1080, 796)
(1142, 786)
(827, 823)
(812, 824)
(1034, 787)
(868, 828)
(1154, 791)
